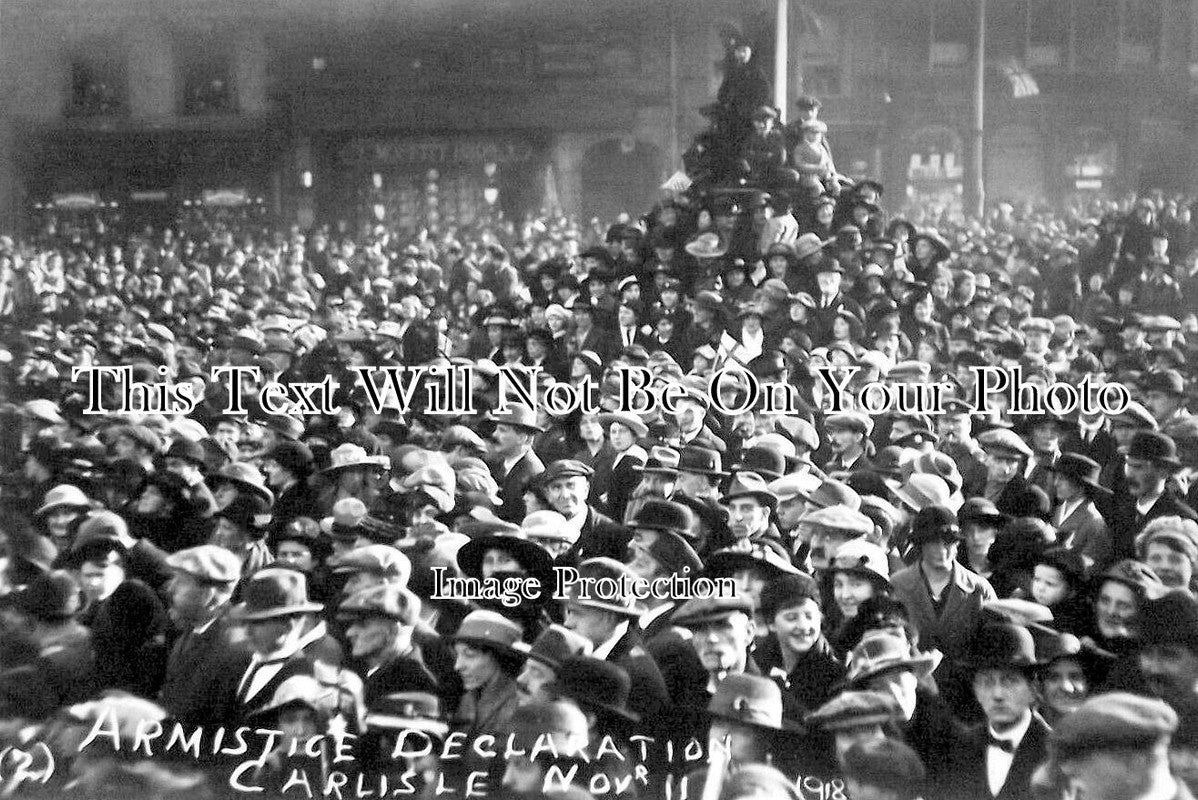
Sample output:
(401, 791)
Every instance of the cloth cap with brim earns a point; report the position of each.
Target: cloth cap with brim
(64, 496)
(548, 526)
(750, 700)
(700, 611)
(382, 560)
(1136, 576)
(1112, 721)
(1004, 442)
(862, 558)
(408, 711)
(300, 691)
(385, 601)
(275, 592)
(565, 468)
(207, 563)
(839, 519)
(880, 653)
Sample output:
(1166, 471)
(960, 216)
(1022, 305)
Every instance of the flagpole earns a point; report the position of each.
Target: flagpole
(978, 140)
(781, 57)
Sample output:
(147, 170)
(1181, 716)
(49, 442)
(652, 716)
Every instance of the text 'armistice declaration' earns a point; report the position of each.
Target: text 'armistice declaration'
(449, 389)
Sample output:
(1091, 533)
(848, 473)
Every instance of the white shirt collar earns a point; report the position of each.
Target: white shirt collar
(604, 650)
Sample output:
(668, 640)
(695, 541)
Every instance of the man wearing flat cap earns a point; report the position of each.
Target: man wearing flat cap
(848, 439)
(1005, 456)
(567, 484)
(385, 652)
(1115, 747)
(204, 666)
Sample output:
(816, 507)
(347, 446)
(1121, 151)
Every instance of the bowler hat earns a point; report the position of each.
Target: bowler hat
(595, 684)
(664, 515)
(275, 592)
(764, 461)
(1002, 646)
(934, 524)
(1155, 447)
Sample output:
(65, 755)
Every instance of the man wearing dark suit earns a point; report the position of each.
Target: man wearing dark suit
(389, 654)
(1005, 485)
(848, 434)
(659, 549)
(1151, 459)
(513, 462)
(998, 758)
(611, 626)
(587, 334)
(204, 666)
(567, 485)
(275, 603)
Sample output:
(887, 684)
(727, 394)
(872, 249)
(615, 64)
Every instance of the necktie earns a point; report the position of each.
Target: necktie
(1001, 744)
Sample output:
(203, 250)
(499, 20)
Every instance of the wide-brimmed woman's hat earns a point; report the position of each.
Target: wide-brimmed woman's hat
(863, 558)
(490, 631)
(533, 558)
(351, 456)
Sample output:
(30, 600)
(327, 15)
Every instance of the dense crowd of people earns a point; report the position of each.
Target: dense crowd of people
(210, 587)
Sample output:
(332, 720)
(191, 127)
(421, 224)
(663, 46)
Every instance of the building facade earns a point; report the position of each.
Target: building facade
(421, 112)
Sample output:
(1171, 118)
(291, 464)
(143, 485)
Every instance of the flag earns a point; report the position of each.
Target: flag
(677, 183)
(1022, 82)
